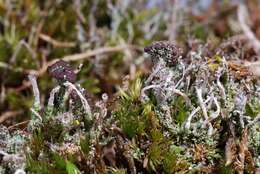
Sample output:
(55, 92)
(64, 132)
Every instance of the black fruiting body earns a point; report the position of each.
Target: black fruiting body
(62, 71)
(165, 50)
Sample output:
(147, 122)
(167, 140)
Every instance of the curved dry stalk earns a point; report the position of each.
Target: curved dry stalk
(52, 95)
(82, 98)
(143, 96)
(204, 110)
(201, 103)
(186, 98)
(36, 114)
(188, 121)
(220, 86)
(160, 65)
(240, 103)
(217, 113)
(183, 74)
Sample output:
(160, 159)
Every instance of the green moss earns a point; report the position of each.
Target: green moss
(53, 131)
(179, 109)
(36, 143)
(131, 114)
(85, 144)
(71, 168)
(36, 166)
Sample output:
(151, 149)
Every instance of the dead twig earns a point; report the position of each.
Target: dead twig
(99, 51)
(242, 14)
(9, 114)
(18, 124)
(57, 43)
(76, 57)
(81, 56)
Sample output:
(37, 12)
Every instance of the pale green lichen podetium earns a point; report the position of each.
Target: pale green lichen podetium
(166, 58)
(35, 110)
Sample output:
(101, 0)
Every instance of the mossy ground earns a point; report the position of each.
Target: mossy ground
(191, 106)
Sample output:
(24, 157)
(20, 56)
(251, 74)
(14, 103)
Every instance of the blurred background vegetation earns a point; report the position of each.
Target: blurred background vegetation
(106, 36)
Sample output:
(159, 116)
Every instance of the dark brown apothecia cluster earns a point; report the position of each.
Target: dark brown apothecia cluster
(62, 71)
(165, 50)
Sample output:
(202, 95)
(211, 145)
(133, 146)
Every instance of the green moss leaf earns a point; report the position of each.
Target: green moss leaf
(71, 168)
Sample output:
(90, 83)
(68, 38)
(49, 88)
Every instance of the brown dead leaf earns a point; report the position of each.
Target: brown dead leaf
(230, 151)
(239, 70)
(238, 166)
(109, 153)
(249, 161)
(199, 152)
(254, 68)
(240, 160)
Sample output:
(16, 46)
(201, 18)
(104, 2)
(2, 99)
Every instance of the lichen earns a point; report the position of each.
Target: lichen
(188, 104)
